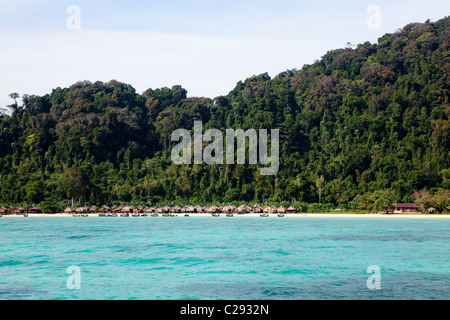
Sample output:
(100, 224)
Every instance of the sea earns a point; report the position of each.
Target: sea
(224, 258)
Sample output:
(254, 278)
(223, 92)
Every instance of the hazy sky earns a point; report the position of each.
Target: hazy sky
(206, 46)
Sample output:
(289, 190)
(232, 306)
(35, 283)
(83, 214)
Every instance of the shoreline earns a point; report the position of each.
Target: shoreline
(223, 215)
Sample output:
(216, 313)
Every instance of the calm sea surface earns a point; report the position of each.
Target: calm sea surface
(223, 258)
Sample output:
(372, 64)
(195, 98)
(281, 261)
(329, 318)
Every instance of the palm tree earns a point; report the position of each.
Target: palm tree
(14, 96)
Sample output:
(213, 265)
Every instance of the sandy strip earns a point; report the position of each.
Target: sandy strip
(298, 215)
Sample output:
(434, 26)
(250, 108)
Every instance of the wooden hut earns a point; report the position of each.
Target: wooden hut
(270, 209)
(17, 210)
(69, 210)
(175, 209)
(128, 209)
(93, 209)
(34, 209)
(257, 208)
(104, 209)
(117, 209)
(291, 209)
(82, 210)
(228, 209)
(281, 209)
(212, 209)
(405, 207)
(4, 210)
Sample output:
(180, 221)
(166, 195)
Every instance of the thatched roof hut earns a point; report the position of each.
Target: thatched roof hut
(117, 209)
(127, 209)
(93, 209)
(82, 210)
(34, 209)
(199, 209)
(175, 209)
(245, 208)
(4, 210)
(228, 209)
(281, 209)
(165, 209)
(270, 209)
(150, 210)
(104, 209)
(212, 209)
(257, 208)
(17, 210)
(69, 210)
(291, 209)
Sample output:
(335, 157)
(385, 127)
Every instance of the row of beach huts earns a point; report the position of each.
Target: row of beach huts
(140, 210)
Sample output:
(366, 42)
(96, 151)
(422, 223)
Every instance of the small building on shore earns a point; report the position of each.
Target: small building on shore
(4, 210)
(291, 209)
(257, 208)
(405, 207)
(281, 209)
(34, 209)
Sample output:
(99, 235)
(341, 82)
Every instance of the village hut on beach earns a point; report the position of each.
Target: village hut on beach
(92, 209)
(291, 209)
(104, 209)
(405, 207)
(4, 210)
(34, 210)
(257, 208)
(127, 209)
(117, 209)
(212, 209)
(270, 209)
(281, 209)
(228, 209)
(17, 210)
(69, 210)
(175, 209)
(139, 209)
(243, 209)
(82, 210)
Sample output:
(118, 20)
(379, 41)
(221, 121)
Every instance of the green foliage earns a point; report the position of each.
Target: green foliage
(359, 129)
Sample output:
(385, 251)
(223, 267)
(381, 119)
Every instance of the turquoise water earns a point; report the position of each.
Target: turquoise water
(224, 258)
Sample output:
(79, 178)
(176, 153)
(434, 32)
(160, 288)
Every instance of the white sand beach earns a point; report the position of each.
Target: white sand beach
(288, 215)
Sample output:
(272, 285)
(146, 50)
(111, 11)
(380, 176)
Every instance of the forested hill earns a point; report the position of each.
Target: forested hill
(359, 120)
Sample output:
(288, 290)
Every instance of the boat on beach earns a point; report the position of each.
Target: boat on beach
(281, 215)
(85, 215)
(154, 215)
(229, 215)
(264, 215)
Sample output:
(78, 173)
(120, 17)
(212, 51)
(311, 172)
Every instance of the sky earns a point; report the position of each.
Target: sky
(206, 46)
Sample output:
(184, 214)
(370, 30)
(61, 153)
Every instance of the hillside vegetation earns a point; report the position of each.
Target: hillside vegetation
(358, 122)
